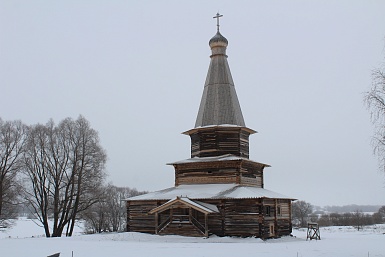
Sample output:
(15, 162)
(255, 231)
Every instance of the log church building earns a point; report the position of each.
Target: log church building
(218, 190)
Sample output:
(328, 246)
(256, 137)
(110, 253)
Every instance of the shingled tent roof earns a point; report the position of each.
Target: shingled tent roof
(219, 103)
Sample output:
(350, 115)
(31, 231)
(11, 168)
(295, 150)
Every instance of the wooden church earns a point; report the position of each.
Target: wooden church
(219, 190)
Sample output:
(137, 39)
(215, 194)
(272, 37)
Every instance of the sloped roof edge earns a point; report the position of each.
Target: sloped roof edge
(210, 191)
(224, 126)
(225, 157)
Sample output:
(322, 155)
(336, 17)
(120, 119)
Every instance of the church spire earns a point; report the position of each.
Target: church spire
(219, 104)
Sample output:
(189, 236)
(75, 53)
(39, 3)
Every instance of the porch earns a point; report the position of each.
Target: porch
(183, 216)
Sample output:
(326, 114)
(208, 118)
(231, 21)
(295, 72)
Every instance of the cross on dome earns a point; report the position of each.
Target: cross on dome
(217, 17)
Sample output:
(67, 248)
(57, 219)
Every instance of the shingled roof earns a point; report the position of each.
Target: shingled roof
(211, 191)
(219, 104)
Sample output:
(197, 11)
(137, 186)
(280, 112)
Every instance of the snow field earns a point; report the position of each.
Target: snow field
(27, 239)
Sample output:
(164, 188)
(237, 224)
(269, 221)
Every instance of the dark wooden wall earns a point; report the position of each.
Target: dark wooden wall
(252, 173)
(236, 217)
(242, 172)
(280, 220)
(207, 173)
(138, 219)
(242, 217)
(218, 141)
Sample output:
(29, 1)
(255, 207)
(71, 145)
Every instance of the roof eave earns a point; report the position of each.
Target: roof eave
(191, 131)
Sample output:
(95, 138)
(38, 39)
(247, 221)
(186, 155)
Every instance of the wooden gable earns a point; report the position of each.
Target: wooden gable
(184, 202)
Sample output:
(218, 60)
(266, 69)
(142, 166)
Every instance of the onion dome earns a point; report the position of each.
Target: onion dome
(218, 40)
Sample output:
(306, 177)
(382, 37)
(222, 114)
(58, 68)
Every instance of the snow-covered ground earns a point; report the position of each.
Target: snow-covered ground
(27, 239)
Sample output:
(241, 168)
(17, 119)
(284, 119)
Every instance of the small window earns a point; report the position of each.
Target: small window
(267, 211)
(279, 213)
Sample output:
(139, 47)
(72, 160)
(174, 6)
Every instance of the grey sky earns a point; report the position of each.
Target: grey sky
(136, 70)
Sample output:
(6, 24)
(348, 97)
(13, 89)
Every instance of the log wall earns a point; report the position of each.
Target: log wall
(218, 141)
(241, 217)
(207, 173)
(138, 219)
(242, 172)
(252, 173)
(236, 217)
(277, 213)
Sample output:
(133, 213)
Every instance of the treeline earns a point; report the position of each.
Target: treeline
(57, 171)
(352, 208)
(302, 213)
(357, 218)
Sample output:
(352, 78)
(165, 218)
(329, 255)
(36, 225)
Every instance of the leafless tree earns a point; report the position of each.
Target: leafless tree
(381, 211)
(324, 220)
(12, 139)
(301, 211)
(375, 102)
(358, 219)
(109, 214)
(64, 165)
(379, 217)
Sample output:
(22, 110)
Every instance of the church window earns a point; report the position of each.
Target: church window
(267, 211)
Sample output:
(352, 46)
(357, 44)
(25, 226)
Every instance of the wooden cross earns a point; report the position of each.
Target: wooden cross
(217, 17)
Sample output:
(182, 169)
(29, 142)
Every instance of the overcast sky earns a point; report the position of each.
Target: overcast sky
(136, 70)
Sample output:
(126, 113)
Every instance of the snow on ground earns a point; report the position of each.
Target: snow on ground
(27, 239)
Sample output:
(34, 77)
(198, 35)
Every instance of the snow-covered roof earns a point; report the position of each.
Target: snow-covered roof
(211, 207)
(225, 157)
(221, 125)
(210, 191)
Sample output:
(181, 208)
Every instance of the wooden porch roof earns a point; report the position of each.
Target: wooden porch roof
(205, 208)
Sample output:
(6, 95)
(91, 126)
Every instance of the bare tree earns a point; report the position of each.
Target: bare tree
(358, 219)
(375, 102)
(12, 138)
(109, 214)
(379, 217)
(87, 162)
(381, 211)
(64, 165)
(301, 211)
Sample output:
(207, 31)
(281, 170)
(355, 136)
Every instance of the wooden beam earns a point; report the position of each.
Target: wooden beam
(206, 226)
(156, 223)
(275, 217)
